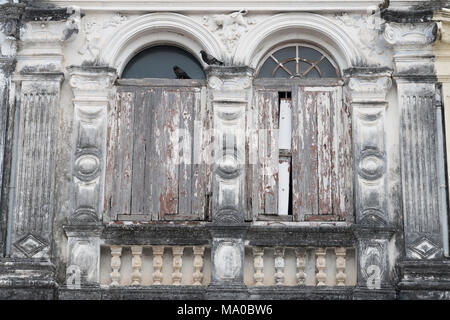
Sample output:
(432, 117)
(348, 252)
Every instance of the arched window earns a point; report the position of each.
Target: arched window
(304, 143)
(158, 62)
(298, 61)
(155, 173)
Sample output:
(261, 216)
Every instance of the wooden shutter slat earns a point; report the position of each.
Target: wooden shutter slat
(139, 158)
(187, 100)
(122, 141)
(321, 155)
(304, 156)
(171, 114)
(325, 117)
(201, 152)
(155, 160)
(268, 151)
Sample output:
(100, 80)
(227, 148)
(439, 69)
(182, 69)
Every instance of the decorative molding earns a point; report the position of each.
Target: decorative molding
(229, 28)
(42, 40)
(94, 32)
(414, 35)
(92, 91)
(221, 6)
(287, 27)
(367, 29)
(148, 29)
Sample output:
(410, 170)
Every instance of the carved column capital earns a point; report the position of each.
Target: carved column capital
(412, 44)
(91, 82)
(369, 85)
(10, 15)
(43, 33)
(410, 35)
(442, 19)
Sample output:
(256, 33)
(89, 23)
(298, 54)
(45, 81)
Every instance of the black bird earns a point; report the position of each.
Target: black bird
(180, 73)
(209, 59)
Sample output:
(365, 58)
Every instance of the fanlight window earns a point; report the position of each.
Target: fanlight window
(298, 61)
(158, 62)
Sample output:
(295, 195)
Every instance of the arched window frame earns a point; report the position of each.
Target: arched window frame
(268, 94)
(182, 190)
(270, 54)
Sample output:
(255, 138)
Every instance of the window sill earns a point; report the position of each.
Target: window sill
(275, 217)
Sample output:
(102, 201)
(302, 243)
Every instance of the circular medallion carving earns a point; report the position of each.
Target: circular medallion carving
(87, 165)
(227, 260)
(371, 165)
(228, 164)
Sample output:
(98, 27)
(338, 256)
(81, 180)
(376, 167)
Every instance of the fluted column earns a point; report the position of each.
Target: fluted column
(416, 86)
(9, 33)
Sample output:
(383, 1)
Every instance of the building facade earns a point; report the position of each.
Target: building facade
(308, 161)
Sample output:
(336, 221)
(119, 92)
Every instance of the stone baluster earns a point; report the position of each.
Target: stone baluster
(198, 266)
(340, 266)
(116, 252)
(321, 276)
(300, 254)
(177, 252)
(157, 264)
(136, 263)
(279, 266)
(258, 264)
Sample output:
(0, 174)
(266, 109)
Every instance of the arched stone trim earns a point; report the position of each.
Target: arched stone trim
(297, 27)
(158, 28)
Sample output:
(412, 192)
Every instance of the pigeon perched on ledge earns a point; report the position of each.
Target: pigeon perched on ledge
(209, 59)
(180, 73)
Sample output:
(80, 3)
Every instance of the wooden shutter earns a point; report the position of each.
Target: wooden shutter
(151, 171)
(264, 177)
(321, 155)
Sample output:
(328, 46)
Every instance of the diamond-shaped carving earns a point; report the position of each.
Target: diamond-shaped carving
(424, 247)
(30, 245)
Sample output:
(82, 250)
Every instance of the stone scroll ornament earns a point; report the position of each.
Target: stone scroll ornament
(229, 28)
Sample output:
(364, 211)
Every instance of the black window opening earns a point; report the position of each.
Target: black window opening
(298, 61)
(285, 155)
(159, 61)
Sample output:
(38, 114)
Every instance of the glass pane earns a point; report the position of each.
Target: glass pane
(285, 53)
(309, 53)
(158, 62)
(328, 70)
(281, 74)
(313, 74)
(267, 69)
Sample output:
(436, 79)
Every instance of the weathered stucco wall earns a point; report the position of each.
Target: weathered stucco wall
(73, 52)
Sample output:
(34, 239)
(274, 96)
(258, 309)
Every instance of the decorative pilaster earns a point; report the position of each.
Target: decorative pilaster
(92, 89)
(230, 93)
(368, 89)
(9, 33)
(441, 50)
(229, 98)
(416, 86)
